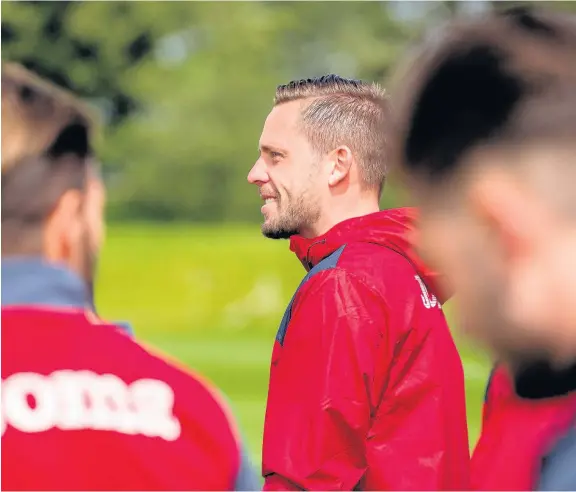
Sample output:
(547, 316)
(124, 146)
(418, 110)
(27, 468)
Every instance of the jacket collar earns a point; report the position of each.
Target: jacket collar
(311, 251)
(387, 227)
(393, 228)
(31, 281)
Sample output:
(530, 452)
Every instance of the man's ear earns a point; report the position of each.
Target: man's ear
(342, 161)
(500, 202)
(63, 227)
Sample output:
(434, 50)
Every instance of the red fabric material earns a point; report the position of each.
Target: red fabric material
(393, 228)
(367, 390)
(205, 455)
(516, 434)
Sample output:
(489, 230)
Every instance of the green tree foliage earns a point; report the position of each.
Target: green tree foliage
(184, 87)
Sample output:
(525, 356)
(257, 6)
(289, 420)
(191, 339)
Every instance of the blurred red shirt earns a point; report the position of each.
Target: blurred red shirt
(85, 407)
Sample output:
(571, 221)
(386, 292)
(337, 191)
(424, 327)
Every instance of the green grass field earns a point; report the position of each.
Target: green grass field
(213, 297)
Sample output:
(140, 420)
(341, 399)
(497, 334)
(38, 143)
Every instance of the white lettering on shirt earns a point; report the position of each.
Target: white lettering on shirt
(429, 300)
(75, 400)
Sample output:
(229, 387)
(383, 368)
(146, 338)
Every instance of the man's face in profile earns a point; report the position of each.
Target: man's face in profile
(287, 174)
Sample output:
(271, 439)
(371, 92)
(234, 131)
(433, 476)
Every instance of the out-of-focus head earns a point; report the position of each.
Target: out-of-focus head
(486, 137)
(321, 154)
(52, 196)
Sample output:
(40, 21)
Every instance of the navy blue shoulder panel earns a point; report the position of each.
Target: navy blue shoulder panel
(489, 382)
(559, 466)
(326, 264)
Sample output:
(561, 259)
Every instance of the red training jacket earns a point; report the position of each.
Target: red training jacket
(525, 444)
(84, 407)
(366, 385)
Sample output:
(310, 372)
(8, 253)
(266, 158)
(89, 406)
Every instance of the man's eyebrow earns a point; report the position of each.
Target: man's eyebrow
(269, 149)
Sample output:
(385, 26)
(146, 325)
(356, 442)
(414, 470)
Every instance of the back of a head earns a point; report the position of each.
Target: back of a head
(485, 132)
(505, 79)
(45, 148)
(347, 112)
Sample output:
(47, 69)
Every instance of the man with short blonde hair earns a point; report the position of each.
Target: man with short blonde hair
(366, 386)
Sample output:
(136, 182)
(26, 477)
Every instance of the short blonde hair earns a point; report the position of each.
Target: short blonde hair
(345, 112)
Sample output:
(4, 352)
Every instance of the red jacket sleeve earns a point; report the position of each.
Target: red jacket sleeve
(321, 396)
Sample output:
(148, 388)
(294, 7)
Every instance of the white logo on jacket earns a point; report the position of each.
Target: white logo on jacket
(428, 299)
(77, 400)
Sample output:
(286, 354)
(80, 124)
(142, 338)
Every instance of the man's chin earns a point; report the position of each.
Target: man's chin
(272, 232)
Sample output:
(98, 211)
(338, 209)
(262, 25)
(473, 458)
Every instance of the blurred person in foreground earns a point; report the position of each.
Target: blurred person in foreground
(487, 138)
(366, 385)
(84, 407)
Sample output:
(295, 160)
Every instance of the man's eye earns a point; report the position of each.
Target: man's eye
(276, 155)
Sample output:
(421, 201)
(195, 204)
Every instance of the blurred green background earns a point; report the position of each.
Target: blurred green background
(213, 296)
(182, 90)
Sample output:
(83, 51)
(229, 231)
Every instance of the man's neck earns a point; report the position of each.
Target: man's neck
(339, 213)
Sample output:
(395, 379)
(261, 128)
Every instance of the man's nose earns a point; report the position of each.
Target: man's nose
(258, 173)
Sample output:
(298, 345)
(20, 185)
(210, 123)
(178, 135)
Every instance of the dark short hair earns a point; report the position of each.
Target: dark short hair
(45, 151)
(344, 112)
(506, 78)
